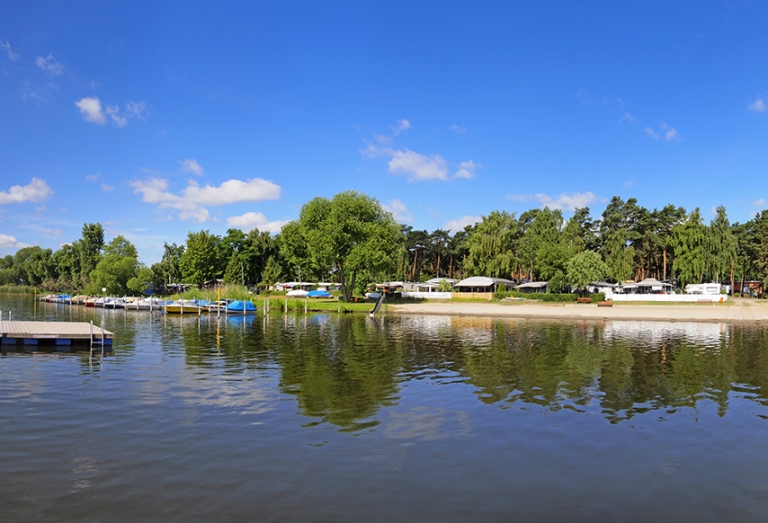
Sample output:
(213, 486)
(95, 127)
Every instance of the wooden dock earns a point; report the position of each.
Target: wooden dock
(57, 333)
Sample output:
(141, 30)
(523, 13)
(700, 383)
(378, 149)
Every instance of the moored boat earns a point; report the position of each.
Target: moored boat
(218, 306)
(319, 293)
(241, 307)
(182, 307)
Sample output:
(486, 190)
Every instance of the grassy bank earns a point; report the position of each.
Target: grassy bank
(17, 289)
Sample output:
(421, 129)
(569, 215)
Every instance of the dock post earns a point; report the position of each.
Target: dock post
(306, 305)
(91, 330)
(101, 326)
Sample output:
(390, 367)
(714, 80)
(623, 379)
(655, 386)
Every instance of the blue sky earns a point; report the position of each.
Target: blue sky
(160, 118)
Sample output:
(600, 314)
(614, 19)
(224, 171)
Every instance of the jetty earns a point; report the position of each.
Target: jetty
(59, 334)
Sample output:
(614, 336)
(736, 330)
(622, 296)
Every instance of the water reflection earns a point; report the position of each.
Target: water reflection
(343, 370)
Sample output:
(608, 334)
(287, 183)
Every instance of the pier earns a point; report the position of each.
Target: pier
(60, 334)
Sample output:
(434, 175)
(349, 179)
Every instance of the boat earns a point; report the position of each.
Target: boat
(91, 302)
(241, 307)
(320, 293)
(182, 307)
(297, 293)
(218, 306)
(372, 295)
(80, 299)
(113, 303)
(145, 304)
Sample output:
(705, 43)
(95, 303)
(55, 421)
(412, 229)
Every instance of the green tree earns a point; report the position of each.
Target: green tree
(618, 257)
(235, 271)
(272, 271)
(585, 267)
(491, 246)
(119, 264)
(721, 248)
(688, 241)
(89, 248)
(199, 263)
(349, 234)
(144, 279)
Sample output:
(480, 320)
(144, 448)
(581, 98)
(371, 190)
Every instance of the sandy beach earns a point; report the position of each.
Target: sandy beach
(738, 310)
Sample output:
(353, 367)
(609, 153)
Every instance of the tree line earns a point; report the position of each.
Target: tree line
(351, 240)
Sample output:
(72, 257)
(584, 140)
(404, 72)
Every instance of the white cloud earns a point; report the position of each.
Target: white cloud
(402, 125)
(50, 65)
(190, 165)
(566, 201)
(665, 131)
(8, 49)
(629, 118)
(467, 169)
(193, 200)
(459, 223)
(650, 132)
(460, 130)
(136, 109)
(107, 188)
(90, 108)
(671, 134)
(52, 232)
(255, 220)
(415, 165)
(418, 166)
(114, 113)
(9, 242)
(93, 177)
(399, 211)
(760, 202)
(758, 105)
(92, 111)
(36, 191)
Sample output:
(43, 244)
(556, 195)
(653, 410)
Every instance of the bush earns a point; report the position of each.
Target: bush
(557, 298)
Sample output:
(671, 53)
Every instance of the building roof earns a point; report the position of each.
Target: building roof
(438, 280)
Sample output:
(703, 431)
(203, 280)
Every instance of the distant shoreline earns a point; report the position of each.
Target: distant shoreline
(739, 310)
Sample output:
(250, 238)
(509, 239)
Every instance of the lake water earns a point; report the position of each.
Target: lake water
(327, 418)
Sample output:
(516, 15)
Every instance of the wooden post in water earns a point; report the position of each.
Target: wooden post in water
(306, 304)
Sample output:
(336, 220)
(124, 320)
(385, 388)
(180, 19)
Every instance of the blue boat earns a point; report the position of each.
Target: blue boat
(319, 294)
(241, 307)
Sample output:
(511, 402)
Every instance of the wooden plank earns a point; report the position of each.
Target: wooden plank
(51, 330)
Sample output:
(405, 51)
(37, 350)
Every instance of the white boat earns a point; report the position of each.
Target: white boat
(145, 304)
(218, 306)
(297, 293)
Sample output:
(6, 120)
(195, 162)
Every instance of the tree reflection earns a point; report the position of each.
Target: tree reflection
(343, 370)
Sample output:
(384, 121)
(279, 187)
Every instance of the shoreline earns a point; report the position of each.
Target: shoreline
(740, 310)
